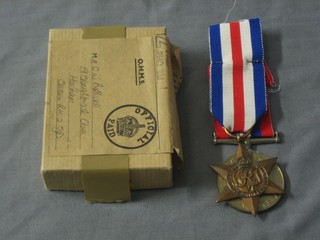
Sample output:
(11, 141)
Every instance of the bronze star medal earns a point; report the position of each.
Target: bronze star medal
(238, 80)
(250, 181)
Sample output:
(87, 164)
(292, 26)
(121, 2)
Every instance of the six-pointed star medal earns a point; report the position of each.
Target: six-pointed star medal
(247, 179)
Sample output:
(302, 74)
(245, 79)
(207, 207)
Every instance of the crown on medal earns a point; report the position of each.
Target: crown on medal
(245, 161)
(128, 126)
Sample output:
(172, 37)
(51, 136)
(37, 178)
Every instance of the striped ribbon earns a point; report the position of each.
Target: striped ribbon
(237, 79)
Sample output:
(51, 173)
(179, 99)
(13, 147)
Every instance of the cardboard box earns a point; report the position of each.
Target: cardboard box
(111, 121)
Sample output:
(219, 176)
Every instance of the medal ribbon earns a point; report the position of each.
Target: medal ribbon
(238, 78)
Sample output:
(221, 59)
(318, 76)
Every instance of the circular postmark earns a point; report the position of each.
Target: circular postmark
(130, 126)
(247, 178)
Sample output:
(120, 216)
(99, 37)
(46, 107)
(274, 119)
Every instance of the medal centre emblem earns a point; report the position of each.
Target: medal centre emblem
(247, 178)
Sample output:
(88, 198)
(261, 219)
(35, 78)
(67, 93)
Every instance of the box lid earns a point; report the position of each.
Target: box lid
(111, 91)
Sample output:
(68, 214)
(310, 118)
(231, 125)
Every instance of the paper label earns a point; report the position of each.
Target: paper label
(108, 96)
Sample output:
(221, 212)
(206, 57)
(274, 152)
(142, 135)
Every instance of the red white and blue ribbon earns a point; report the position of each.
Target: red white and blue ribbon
(237, 79)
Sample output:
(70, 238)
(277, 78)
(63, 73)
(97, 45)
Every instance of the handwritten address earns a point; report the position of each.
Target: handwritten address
(84, 88)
